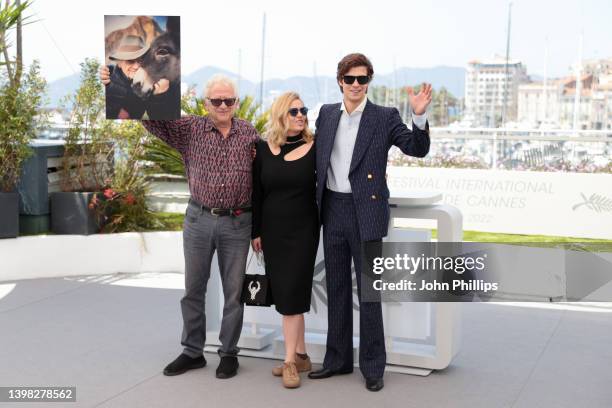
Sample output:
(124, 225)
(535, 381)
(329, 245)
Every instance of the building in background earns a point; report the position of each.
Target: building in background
(538, 103)
(568, 101)
(601, 100)
(597, 67)
(485, 81)
(601, 114)
(552, 104)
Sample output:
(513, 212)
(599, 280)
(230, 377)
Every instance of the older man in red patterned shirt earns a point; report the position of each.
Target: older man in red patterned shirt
(217, 151)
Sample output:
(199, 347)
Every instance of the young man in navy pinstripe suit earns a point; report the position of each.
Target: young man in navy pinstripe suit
(352, 143)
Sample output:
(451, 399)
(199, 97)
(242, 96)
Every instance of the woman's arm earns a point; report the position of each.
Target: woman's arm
(257, 195)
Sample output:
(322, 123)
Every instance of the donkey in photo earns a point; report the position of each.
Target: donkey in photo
(162, 61)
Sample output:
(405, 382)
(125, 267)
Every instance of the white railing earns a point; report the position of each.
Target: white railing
(516, 149)
(497, 148)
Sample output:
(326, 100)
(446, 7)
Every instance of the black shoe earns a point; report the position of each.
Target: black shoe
(184, 363)
(374, 384)
(228, 367)
(326, 373)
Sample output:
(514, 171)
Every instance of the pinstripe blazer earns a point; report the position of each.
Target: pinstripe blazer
(380, 128)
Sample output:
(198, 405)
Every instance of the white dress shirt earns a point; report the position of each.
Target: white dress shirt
(344, 144)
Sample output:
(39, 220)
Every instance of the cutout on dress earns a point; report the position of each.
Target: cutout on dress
(308, 147)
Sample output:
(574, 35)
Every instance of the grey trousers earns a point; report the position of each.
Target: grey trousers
(203, 234)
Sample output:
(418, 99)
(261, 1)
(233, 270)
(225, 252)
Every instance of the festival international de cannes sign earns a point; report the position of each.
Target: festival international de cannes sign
(518, 202)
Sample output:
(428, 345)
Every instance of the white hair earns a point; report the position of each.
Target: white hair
(220, 79)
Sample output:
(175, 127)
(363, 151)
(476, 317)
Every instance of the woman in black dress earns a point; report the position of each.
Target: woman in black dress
(285, 223)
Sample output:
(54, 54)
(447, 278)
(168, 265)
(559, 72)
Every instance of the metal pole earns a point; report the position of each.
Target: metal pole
(239, 70)
(263, 49)
(506, 84)
(546, 83)
(578, 87)
(394, 83)
(316, 80)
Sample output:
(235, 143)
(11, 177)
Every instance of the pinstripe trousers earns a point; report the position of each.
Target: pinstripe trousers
(341, 242)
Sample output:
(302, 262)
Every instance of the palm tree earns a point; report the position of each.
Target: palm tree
(168, 160)
(21, 96)
(11, 17)
(248, 111)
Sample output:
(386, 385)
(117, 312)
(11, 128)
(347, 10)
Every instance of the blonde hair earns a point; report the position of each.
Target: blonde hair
(278, 125)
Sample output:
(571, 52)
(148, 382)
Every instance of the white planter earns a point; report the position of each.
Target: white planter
(48, 256)
(168, 193)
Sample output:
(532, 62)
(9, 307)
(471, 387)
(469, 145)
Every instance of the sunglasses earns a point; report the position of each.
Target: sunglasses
(361, 79)
(218, 101)
(294, 111)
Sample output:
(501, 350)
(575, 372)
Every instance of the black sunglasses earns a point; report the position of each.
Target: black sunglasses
(217, 102)
(294, 111)
(361, 79)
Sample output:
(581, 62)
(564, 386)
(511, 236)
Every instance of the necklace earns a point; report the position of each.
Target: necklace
(295, 141)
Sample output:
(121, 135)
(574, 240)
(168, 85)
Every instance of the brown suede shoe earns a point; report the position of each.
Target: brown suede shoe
(303, 365)
(291, 378)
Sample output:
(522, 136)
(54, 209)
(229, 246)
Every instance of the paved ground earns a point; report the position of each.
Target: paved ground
(111, 342)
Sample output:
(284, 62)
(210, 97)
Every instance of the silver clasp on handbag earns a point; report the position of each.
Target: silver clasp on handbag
(253, 290)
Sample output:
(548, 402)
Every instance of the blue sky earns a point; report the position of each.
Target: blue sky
(305, 34)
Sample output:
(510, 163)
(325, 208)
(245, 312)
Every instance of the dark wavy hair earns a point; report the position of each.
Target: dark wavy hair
(351, 61)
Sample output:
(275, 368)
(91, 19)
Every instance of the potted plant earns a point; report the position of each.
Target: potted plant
(123, 206)
(21, 97)
(87, 163)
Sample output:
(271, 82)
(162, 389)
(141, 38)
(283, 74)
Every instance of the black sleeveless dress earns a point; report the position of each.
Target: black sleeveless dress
(285, 216)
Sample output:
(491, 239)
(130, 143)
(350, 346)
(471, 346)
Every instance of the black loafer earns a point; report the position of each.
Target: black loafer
(184, 363)
(374, 384)
(228, 367)
(326, 373)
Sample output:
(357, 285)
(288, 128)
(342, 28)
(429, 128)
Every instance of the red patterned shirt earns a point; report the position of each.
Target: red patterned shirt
(219, 170)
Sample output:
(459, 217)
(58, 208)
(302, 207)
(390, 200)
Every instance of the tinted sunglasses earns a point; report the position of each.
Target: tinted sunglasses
(217, 102)
(361, 79)
(294, 111)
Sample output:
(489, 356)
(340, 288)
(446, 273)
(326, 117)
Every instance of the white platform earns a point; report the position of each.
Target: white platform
(258, 340)
(316, 351)
(420, 337)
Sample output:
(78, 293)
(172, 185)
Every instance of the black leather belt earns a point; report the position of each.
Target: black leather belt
(220, 212)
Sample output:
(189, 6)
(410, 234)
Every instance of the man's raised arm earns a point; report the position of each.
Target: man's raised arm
(174, 132)
(413, 142)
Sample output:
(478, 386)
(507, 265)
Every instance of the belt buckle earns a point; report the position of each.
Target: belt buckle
(213, 211)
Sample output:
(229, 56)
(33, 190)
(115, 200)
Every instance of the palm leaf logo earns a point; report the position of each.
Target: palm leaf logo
(595, 202)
